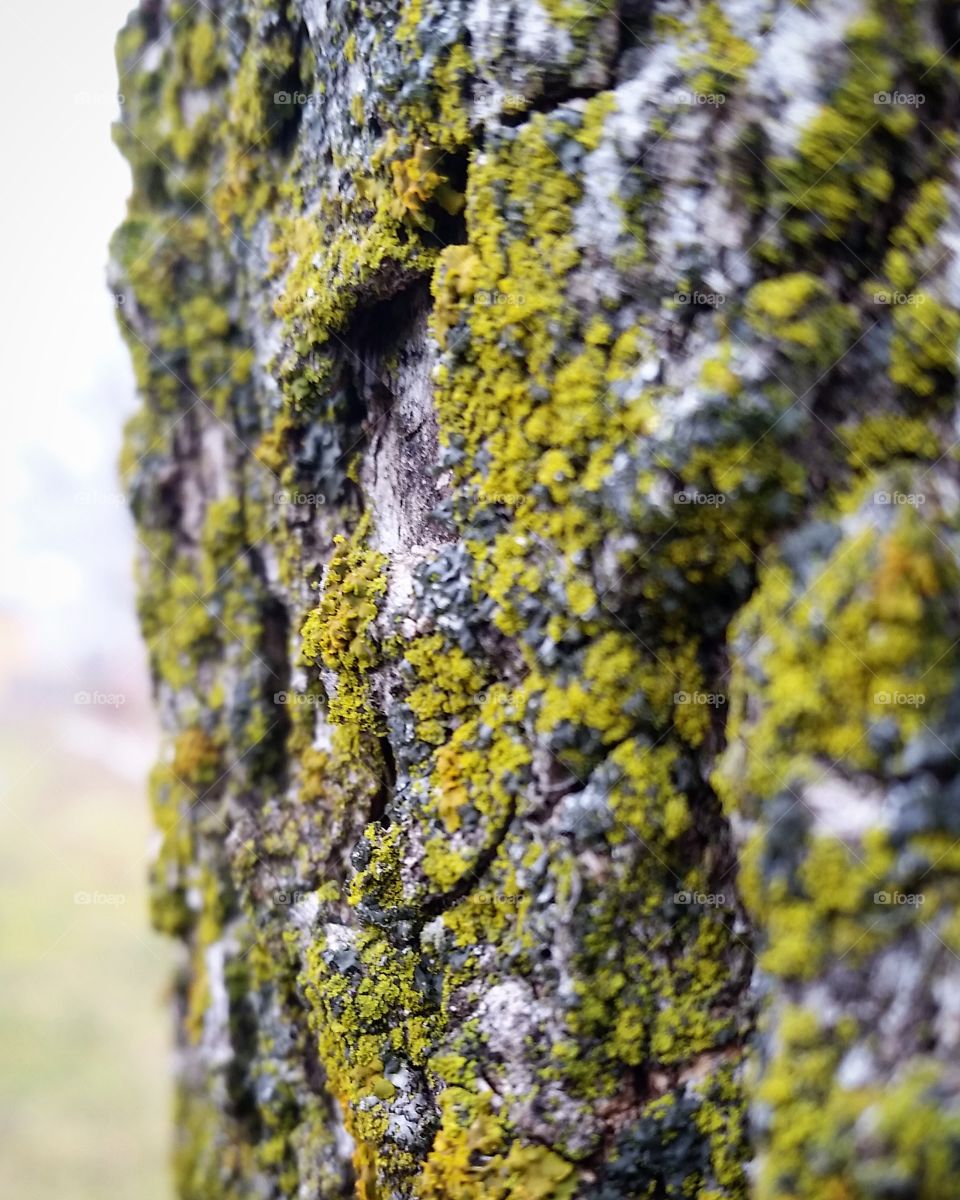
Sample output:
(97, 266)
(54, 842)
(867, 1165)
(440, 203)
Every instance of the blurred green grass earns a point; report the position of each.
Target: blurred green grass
(85, 1075)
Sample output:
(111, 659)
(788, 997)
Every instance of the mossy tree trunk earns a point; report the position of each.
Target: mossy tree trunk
(547, 502)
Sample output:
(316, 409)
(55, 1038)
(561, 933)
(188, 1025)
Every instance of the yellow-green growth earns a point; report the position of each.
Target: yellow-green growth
(337, 632)
(798, 312)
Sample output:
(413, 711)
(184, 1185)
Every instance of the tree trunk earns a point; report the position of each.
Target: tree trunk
(547, 507)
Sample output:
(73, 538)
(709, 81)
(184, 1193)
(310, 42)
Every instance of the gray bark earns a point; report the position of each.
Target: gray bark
(548, 519)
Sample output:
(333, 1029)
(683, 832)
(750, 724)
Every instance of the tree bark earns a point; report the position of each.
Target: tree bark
(547, 504)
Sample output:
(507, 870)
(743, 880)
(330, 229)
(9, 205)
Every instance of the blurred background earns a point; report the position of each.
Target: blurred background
(84, 1070)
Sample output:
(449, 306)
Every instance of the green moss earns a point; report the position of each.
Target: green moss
(914, 239)
(841, 664)
(534, 376)
(197, 759)
(206, 1164)
(179, 628)
(335, 259)
(818, 1132)
(417, 183)
(798, 312)
(878, 440)
(450, 684)
(923, 348)
(477, 772)
(688, 1141)
(454, 280)
(840, 174)
(580, 16)
(475, 1157)
(871, 626)
(202, 54)
(253, 120)
(365, 1016)
(170, 804)
(440, 113)
(337, 632)
(723, 59)
(654, 1001)
(223, 539)
(616, 680)
(195, 355)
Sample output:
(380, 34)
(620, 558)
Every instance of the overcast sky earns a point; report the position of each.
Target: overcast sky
(65, 540)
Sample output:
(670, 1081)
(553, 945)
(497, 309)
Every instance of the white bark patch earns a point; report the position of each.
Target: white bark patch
(217, 1049)
(842, 810)
(802, 57)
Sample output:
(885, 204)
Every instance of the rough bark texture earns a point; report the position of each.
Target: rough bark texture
(549, 559)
